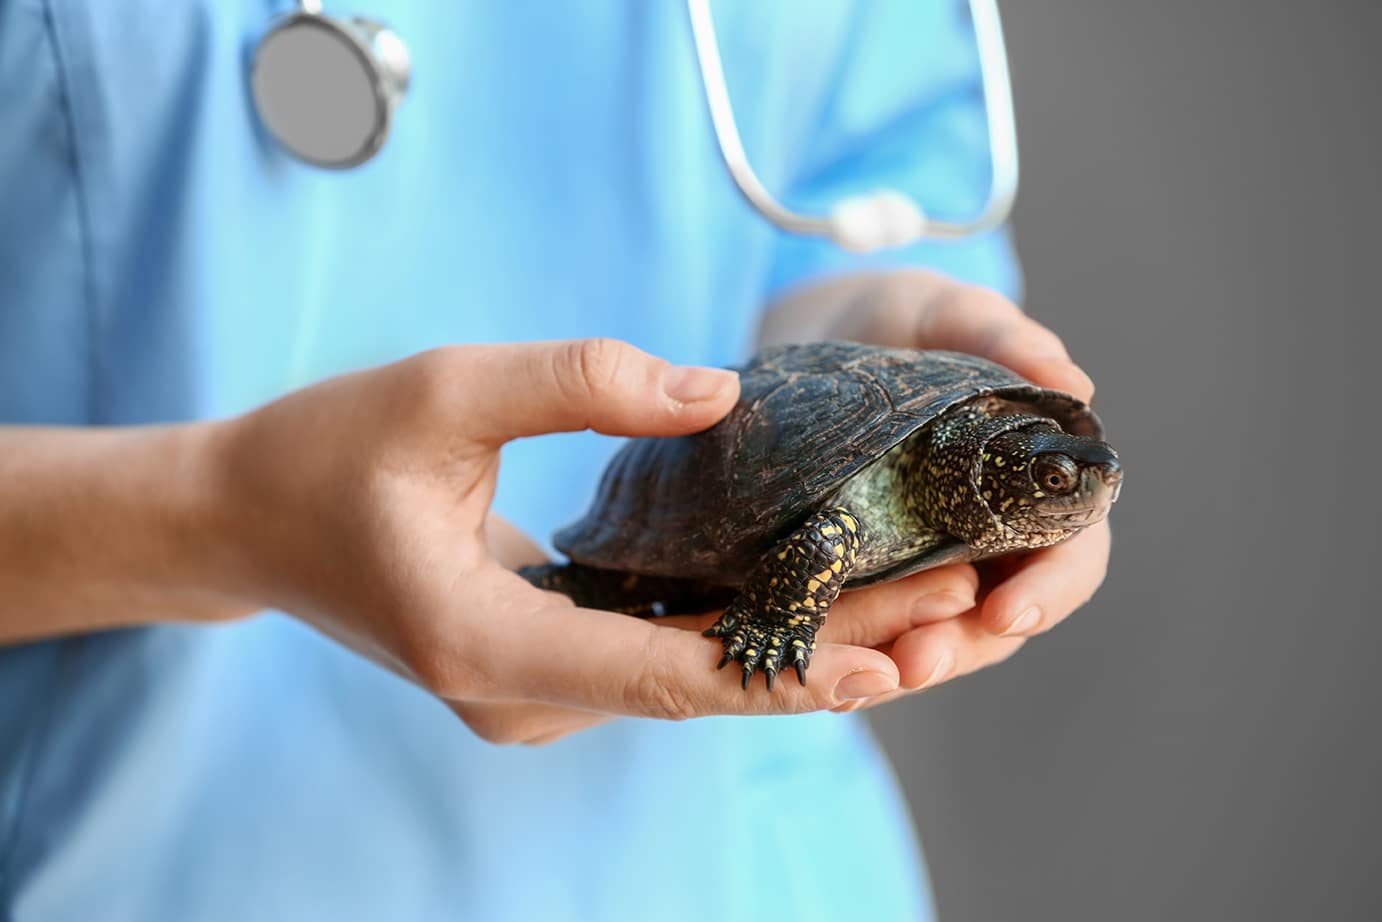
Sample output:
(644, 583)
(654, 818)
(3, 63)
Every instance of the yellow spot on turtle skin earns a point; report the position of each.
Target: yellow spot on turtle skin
(988, 494)
(808, 603)
(830, 531)
(772, 582)
(988, 457)
(836, 567)
(1006, 503)
(798, 644)
(750, 652)
(849, 522)
(812, 585)
(823, 576)
(837, 549)
(1038, 494)
(793, 606)
(783, 555)
(999, 461)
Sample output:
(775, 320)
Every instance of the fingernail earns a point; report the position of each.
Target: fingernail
(1058, 365)
(1088, 385)
(865, 684)
(693, 383)
(1081, 384)
(1024, 622)
(938, 606)
(941, 671)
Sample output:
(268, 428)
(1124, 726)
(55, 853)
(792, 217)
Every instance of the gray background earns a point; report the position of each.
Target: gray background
(1199, 221)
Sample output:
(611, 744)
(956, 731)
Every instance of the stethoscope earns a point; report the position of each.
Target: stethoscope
(326, 88)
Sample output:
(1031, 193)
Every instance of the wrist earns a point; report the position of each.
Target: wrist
(208, 549)
(170, 550)
(109, 527)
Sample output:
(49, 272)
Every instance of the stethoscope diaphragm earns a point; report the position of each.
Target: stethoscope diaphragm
(326, 88)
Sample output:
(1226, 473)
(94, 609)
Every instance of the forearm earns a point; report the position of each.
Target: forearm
(108, 527)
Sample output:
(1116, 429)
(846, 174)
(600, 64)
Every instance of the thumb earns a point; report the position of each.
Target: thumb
(601, 384)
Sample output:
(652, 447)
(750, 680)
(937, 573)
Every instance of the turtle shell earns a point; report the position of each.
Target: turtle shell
(809, 417)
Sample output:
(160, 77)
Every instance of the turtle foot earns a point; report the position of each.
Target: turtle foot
(766, 647)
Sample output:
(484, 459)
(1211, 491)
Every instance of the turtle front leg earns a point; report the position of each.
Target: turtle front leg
(774, 619)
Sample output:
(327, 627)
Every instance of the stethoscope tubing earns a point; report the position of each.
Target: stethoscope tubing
(998, 104)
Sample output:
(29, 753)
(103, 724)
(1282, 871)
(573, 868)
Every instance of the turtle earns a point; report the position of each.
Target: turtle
(841, 465)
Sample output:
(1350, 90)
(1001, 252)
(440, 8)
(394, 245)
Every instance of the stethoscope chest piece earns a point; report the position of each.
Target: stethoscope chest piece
(326, 88)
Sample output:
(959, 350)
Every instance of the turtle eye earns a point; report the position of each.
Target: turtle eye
(1055, 473)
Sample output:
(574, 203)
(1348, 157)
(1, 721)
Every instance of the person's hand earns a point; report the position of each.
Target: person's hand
(947, 622)
(363, 506)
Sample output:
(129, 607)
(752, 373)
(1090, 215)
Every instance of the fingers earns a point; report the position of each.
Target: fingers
(879, 614)
(524, 648)
(600, 663)
(1049, 584)
(1040, 591)
(602, 384)
(982, 322)
(935, 653)
(902, 619)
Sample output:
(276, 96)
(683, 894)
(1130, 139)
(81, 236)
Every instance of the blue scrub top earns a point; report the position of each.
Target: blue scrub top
(551, 174)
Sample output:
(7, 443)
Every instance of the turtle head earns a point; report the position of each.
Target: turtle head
(1044, 484)
(1005, 481)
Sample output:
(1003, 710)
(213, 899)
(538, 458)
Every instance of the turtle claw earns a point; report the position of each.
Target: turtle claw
(737, 647)
(724, 626)
(801, 658)
(759, 647)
